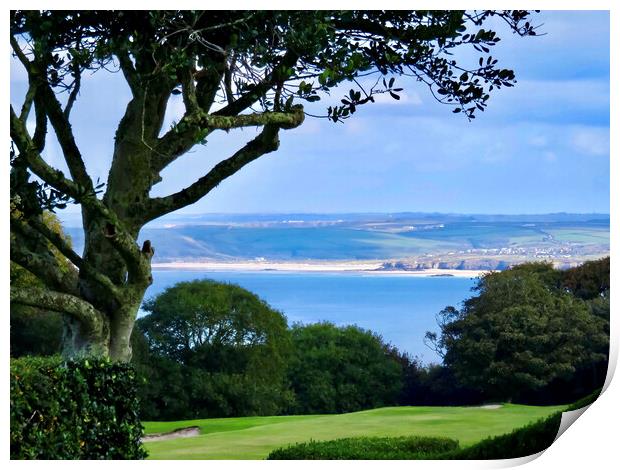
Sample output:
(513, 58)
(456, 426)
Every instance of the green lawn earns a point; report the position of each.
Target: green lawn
(255, 437)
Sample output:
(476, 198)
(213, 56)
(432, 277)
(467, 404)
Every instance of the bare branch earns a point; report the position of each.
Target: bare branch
(188, 88)
(228, 81)
(40, 130)
(28, 100)
(64, 133)
(20, 54)
(267, 141)
(74, 92)
(129, 71)
(27, 147)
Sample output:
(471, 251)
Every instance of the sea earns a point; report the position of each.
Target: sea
(400, 308)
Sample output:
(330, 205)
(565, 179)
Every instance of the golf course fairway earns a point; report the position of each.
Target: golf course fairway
(255, 437)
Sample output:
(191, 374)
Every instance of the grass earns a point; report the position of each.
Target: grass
(255, 437)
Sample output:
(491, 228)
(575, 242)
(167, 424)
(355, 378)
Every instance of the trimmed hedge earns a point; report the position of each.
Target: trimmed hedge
(585, 401)
(367, 448)
(87, 409)
(521, 442)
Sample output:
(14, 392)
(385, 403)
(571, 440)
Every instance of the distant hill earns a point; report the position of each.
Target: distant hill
(459, 240)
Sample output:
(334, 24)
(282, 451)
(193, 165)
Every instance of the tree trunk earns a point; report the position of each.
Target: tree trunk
(121, 327)
(120, 311)
(77, 341)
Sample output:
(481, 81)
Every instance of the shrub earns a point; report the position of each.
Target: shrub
(367, 448)
(86, 409)
(210, 349)
(521, 442)
(341, 369)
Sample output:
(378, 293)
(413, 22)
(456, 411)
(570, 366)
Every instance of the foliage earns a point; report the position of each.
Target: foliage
(518, 334)
(436, 385)
(35, 333)
(217, 326)
(212, 349)
(367, 448)
(339, 369)
(589, 280)
(74, 410)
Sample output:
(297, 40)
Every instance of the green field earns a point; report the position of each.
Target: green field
(374, 237)
(255, 437)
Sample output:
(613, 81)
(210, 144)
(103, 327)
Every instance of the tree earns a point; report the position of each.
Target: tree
(221, 348)
(518, 334)
(341, 369)
(233, 69)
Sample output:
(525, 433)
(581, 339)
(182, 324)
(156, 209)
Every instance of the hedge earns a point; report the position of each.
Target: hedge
(521, 442)
(367, 448)
(524, 441)
(86, 409)
(585, 401)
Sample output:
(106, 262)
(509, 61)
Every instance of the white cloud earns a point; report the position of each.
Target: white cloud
(591, 141)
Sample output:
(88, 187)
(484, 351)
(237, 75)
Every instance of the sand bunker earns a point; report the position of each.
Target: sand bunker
(164, 436)
(490, 407)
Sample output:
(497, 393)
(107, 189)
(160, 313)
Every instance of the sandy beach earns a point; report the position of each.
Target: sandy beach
(370, 267)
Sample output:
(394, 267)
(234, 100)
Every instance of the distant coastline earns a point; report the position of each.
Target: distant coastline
(372, 268)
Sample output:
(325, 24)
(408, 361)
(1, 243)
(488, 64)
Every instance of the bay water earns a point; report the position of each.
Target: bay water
(400, 308)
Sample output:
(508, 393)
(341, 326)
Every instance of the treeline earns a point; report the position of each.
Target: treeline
(530, 334)
(209, 349)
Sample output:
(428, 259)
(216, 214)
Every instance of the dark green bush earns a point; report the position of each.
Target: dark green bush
(74, 410)
(338, 369)
(367, 448)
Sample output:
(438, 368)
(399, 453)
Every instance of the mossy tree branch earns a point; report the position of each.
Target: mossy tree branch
(68, 304)
(56, 239)
(194, 127)
(267, 141)
(33, 255)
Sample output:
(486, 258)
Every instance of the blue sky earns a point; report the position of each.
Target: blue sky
(542, 146)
